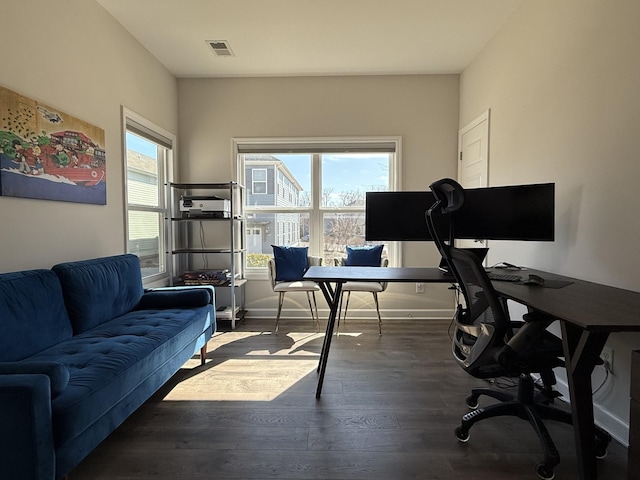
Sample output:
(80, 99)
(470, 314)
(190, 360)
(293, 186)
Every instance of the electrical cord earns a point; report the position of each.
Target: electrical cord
(205, 259)
(606, 377)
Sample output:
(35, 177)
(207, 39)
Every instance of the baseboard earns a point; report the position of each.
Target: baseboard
(617, 427)
(354, 314)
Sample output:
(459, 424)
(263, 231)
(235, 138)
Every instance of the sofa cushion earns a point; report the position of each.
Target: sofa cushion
(32, 314)
(112, 360)
(100, 289)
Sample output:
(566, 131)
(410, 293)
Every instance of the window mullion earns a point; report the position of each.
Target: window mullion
(315, 220)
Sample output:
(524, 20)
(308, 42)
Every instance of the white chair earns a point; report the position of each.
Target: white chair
(372, 287)
(296, 286)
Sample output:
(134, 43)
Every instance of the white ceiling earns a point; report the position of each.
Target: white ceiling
(313, 37)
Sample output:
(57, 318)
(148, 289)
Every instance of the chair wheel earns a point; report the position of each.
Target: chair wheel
(544, 472)
(472, 401)
(601, 451)
(462, 434)
(601, 444)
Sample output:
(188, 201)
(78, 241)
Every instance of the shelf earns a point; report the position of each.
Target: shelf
(206, 250)
(189, 249)
(226, 315)
(210, 218)
(214, 283)
(210, 186)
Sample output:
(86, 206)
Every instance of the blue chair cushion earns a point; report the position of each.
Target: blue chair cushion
(364, 256)
(291, 262)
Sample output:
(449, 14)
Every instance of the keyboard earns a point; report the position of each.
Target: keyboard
(504, 277)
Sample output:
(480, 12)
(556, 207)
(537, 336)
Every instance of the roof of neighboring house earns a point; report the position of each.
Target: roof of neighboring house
(264, 159)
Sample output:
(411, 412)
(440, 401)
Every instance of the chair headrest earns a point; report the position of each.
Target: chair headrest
(448, 193)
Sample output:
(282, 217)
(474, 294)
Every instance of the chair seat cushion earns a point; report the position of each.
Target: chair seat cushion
(298, 286)
(362, 287)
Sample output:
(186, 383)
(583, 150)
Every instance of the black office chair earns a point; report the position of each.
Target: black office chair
(487, 344)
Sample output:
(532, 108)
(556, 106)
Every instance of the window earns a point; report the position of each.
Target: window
(324, 184)
(259, 181)
(148, 153)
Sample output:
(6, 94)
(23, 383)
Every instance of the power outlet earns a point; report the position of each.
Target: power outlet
(419, 287)
(607, 358)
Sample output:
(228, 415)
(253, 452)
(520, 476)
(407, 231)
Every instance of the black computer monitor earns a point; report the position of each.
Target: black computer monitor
(514, 212)
(397, 216)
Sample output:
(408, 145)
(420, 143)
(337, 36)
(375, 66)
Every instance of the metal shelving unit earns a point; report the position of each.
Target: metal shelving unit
(208, 247)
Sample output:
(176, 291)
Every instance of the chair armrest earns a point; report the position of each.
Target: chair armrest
(177, 297)
(26, 436)
(530, 332)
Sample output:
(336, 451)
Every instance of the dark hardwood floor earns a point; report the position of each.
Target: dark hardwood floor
(388, 410)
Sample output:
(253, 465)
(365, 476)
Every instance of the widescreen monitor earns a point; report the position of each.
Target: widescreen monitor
(397, 216)
(514, 212)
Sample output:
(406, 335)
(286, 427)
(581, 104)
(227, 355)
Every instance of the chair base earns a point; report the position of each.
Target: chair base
(534, 409)
(312, 308)
(346, 307)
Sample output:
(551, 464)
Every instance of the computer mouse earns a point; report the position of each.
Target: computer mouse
(534, 280)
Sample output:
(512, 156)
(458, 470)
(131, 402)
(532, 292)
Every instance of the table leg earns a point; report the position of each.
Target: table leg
(333, 298)
(581, 350)
(328, 293)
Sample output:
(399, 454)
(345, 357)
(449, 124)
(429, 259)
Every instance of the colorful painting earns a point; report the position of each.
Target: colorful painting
(47, 154)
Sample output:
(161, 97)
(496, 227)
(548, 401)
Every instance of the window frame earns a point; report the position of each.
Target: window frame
(324, 145)
(142, 127)
(265, 181)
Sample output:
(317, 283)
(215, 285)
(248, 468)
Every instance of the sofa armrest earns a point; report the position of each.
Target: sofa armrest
(57, 372)
(26, 437)
(177, 297)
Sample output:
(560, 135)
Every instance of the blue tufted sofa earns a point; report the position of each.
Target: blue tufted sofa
(81, 347)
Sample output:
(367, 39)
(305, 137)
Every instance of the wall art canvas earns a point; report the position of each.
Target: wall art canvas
(48, 154)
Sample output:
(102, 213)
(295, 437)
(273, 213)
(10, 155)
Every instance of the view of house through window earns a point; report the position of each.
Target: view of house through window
(146, 162)
(315, 200)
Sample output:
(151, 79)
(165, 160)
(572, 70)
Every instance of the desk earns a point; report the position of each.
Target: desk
(588, 313)
(326, 276)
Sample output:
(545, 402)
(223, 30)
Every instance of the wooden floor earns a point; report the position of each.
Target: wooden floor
(388, 410)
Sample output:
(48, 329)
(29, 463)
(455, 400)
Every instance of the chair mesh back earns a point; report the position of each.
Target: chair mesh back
(481, 323)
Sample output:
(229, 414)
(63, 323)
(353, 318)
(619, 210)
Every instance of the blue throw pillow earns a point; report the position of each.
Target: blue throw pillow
(291, 263)
(187, 298)
(364, 256)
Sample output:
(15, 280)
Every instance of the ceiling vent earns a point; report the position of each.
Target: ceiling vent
(220, 48)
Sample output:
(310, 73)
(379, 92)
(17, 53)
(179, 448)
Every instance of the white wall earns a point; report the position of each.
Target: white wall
(562, 82)
(422, 109)
(74, 56)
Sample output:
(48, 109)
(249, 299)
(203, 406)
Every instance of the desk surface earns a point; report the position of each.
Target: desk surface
(376, 274)
(591, 306)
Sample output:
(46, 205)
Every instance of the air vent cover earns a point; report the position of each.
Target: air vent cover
(221, 48)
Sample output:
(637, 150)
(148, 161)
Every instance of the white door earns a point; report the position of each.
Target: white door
(473, 161)
(254, 240)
